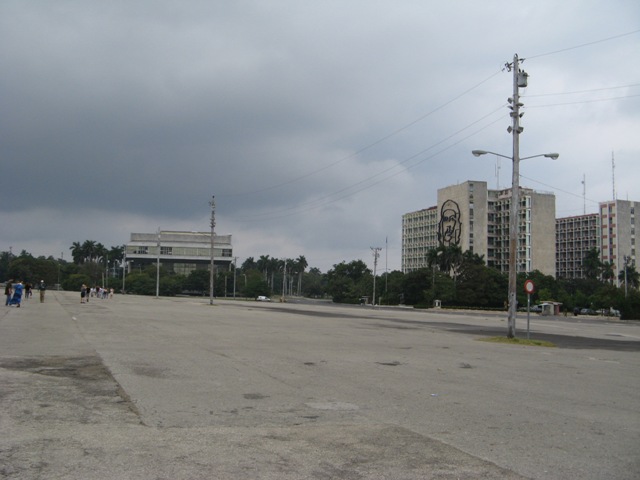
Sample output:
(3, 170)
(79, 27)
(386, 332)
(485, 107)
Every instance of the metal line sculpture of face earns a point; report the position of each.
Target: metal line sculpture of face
(450, 227)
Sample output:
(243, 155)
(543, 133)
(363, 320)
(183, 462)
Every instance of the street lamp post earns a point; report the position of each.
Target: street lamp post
(158, 266)
(234, 277)
(124, 266)
(519, 80)
(513, 232)
(626, 262)
(212, 203)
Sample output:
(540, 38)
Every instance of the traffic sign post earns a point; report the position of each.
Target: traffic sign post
(529, 288)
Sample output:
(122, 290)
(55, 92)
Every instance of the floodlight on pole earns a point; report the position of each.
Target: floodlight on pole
(519, 80)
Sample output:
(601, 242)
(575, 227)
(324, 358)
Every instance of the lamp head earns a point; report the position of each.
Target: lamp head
(477, 153)
(552, 156)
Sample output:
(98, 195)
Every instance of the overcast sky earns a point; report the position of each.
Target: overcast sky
(316, 124)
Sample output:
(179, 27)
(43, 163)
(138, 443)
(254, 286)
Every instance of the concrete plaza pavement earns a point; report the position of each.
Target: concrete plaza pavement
(174, 388)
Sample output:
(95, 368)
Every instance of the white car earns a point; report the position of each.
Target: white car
(262, 298)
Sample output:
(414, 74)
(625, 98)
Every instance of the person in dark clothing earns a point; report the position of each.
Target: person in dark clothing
(43, 288)
(8, 291)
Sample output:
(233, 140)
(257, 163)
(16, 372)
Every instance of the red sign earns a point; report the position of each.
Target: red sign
(529, 287)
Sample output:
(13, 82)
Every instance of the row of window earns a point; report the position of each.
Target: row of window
(180, 251)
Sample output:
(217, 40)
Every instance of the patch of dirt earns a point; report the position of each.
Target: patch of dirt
(59, 388)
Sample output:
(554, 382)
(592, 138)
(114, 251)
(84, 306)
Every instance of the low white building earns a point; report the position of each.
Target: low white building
(178, 252)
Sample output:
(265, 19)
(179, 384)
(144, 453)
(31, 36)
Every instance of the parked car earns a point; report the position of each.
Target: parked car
(262, 298)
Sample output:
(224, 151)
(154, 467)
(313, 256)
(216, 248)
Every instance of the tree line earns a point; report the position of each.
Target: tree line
(456, 278)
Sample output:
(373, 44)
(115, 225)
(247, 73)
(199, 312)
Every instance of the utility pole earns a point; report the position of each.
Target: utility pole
(376, 254)
(613, 176)
(59, 261)
(626, 262)
(212, 203)
(584, 194)
(284, 278)
(386, 264)
(519, 80)
(158, 267)
(234, 276)
(124, 267)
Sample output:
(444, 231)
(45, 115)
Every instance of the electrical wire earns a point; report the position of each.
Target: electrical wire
(583, 101)
(367, 147)
(557, 188)
(582, 91)
(346, 193)
(583, 45)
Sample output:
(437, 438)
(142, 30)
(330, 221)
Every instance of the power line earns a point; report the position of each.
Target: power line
(584, 101)
(367, 147)
(558, 189)
(584, 45)
(327, 199)
(583, 91)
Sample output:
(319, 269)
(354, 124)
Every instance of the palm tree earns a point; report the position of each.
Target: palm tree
(88, 250)
(631, 276)
(591, 264)
(77, 253)
(263, 265)
(249, 264)
(273, 265)
(116, 254)
(302, 264)
(100, 253)
(608, 271)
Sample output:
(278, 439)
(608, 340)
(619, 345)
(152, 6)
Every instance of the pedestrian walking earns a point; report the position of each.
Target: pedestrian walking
(8, 291)
(43, 288)
(83, 293)
(16, 298)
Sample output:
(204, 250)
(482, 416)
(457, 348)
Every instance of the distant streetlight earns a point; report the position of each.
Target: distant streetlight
(552, 156)
(212, 204)
(158, 267)
(376, 254)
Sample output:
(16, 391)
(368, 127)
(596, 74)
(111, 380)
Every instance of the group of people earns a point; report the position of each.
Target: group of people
(16, 291)
(98, 292)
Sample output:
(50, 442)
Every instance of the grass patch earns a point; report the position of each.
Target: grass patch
(518, 341)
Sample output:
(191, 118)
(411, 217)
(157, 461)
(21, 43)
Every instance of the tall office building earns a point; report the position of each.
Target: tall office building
(618, 233)
(612, 231)
(575, 236)
(419, 235)
(476, 218)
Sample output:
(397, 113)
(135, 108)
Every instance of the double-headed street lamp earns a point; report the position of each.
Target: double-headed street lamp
(513, 232)
(519, 81)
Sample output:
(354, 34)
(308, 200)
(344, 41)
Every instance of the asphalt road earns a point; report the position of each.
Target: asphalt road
(175, 388)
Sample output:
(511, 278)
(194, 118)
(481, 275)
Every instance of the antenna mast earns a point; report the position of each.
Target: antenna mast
(613, 175)
(584, 194)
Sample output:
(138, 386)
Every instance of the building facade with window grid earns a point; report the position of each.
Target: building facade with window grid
(179, 252)
(618, 234)
(481, 216)
(419, 234)
(575, 236)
